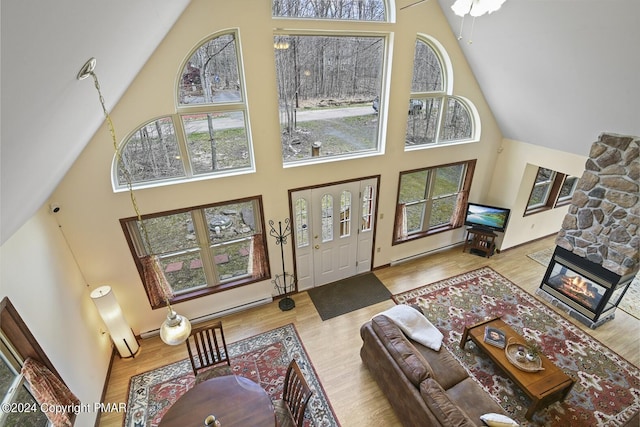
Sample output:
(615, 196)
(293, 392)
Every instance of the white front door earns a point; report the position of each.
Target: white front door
(333, 231)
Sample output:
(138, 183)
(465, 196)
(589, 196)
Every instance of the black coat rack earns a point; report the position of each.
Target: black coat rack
(286, 303)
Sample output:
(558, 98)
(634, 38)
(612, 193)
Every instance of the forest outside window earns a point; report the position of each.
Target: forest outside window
(352, 10)
(326, 87)
(205, 249)
(431, 200)
(434, 115)
(209, 135)
(550, 189)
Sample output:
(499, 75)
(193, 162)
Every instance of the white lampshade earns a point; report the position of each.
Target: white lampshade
(175, 329)
(111, 313)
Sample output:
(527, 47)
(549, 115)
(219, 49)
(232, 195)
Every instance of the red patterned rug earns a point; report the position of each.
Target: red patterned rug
(607, 389)
(263, 359)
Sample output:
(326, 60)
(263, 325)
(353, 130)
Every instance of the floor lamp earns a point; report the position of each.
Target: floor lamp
(111, 313)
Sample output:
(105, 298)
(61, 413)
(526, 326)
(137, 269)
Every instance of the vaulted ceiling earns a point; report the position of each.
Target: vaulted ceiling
(556, 73)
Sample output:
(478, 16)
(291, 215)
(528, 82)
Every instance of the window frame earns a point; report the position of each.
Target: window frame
(381, 134)
(9, 354)
(385, 18)
(425, 231)
(443, 97)
(552, 197)
(204, 247)
(21, 340)
(182, 142)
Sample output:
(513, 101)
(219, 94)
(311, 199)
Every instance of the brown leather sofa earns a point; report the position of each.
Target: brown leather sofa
(424, 387)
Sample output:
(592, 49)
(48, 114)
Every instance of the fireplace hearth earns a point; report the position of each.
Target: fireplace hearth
(586, 290)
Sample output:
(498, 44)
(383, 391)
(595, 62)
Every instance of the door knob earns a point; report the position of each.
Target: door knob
(317, 246)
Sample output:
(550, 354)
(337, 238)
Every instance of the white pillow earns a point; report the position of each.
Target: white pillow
(498, 420)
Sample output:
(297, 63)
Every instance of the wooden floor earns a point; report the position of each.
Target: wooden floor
(334, 345)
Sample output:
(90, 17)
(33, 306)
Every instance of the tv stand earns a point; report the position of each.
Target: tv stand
(480, 242)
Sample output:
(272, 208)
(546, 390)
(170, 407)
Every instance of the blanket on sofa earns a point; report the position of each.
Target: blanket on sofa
(415, 325)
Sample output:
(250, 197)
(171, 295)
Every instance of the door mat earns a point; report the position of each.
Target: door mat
(345, 296)
(606, 388)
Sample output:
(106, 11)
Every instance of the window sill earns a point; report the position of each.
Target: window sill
(202, 292)
(421, 235)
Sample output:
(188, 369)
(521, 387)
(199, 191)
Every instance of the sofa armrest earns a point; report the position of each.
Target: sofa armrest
(403, 396)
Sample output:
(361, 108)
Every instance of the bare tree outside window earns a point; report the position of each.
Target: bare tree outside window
(457, 122)
(205, 248)
(214, 137)
(151, 154)
(326, 86)
(427, 69)
(211, 75)
(434, 116)
(358, 10)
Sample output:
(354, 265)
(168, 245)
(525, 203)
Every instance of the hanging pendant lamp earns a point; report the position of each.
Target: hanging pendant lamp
(175, 329)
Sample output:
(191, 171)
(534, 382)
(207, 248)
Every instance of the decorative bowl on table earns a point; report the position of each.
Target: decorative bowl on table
(518, 354)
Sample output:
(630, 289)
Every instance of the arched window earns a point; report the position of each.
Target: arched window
(209, 134)
(150, 154)
(435, 115)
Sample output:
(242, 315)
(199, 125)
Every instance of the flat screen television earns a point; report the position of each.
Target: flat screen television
(486, 217)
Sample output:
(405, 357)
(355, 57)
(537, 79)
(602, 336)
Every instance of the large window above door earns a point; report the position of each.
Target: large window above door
(204, 249)
(352, 10)
(327, 85)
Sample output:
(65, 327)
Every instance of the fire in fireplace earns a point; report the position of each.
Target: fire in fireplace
(588, 291)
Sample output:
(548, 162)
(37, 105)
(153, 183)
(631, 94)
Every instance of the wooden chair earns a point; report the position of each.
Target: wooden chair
(295, 396)
(208, 352)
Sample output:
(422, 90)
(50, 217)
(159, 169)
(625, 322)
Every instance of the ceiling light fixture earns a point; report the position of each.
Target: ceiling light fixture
(175, 329)
(474, 8)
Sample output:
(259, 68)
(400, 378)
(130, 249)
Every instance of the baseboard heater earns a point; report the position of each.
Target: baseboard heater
(423, 254)
(215, 315)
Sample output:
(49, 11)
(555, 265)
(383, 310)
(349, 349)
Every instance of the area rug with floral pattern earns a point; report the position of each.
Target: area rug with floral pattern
(630, 301)
(262, 358)
(607, 388)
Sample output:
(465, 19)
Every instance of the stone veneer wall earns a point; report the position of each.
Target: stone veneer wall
(603, 222)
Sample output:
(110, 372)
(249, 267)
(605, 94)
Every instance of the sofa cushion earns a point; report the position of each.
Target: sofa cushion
(445, 369)
(438, 402)
(410, 361)
(470, 397)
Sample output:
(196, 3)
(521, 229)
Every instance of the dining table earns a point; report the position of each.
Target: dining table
(232, 399)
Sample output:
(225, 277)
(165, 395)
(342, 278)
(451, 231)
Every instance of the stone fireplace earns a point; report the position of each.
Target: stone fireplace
(598, 247)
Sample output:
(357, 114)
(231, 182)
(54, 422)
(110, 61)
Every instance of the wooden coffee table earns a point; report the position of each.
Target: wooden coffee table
(543, 387)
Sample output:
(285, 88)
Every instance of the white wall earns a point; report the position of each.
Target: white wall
(42, 280)
(513, 180)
